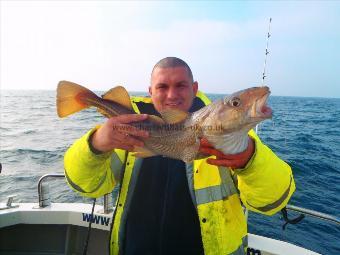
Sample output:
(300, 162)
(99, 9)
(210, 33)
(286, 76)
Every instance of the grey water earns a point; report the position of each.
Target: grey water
(305, 132)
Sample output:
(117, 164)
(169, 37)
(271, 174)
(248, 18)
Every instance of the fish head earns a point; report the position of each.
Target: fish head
(239, 111)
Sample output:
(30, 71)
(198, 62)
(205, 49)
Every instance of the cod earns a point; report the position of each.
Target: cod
(225, 123)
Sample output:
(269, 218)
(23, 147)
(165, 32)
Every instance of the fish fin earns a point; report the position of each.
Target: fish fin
(174, 116)
(71, 98)
(156, 119)
(142, 152)
(103, 112)
(119, 95)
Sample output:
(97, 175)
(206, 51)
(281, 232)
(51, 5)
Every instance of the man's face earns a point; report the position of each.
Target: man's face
(172, 88)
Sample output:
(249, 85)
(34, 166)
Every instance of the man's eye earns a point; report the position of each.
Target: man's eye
(182, 85)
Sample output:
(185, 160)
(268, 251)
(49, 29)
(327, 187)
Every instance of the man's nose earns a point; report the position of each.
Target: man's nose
(172, 93)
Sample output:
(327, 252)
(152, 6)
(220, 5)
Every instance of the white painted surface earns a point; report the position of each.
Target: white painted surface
(72, 213)
(56, 213)
(276, 246)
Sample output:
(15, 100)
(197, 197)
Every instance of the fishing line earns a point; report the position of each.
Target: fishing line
(89, 228)
(265, 61)
(266, 53)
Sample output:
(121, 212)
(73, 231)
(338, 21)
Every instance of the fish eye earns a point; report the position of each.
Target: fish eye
(236, 102)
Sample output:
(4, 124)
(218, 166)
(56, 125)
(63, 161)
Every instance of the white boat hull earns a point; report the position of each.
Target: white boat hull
(67, 224)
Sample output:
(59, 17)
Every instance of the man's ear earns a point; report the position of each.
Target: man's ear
(150, 91)
(195, 87)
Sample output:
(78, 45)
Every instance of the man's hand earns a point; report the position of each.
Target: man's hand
(239, 160)
(116, 133)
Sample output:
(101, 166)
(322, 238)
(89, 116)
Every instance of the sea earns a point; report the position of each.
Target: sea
(304, 131)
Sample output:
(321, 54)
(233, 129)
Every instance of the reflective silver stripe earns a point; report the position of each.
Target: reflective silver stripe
(115, 194)
(240, 250)
(217, 192)
(277, 203)
(245, 241)
(210, 194)
(76, 187)
(227, 180)
(116, 167)
(213, 193)
(190, 178)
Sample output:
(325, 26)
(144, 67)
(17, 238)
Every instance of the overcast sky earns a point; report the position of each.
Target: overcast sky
(103, 44)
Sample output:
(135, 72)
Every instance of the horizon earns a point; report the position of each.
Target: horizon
(115, 42)
(146, 92)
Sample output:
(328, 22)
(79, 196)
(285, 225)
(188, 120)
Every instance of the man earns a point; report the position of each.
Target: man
(166, 206)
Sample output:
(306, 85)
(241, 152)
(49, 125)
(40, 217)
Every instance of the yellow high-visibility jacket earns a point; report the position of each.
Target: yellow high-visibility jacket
(265, 185)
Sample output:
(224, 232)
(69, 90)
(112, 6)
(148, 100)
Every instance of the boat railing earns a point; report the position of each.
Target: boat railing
(43, 190)
(44, 199)
(315, 214)
(43, 194)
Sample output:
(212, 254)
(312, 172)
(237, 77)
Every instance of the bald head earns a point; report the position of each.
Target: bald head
(171, 62)
(172, 85)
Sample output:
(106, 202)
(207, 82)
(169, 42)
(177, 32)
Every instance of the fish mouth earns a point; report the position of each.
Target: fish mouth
(260, 109)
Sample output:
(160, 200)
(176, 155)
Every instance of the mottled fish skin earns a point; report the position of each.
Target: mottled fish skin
(225, 123)
(177, 141)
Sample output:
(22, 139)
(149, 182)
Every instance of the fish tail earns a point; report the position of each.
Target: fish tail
(72, 98)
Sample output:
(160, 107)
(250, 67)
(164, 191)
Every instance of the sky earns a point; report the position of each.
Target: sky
(101, 44)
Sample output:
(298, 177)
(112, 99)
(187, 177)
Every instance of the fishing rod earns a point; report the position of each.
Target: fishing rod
(265, 60)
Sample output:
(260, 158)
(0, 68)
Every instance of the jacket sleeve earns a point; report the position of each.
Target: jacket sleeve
(266, 183)
(87, 173)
